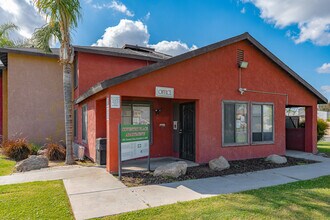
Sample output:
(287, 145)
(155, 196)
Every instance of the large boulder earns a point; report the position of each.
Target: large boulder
(32, 163)
(175, 169)
(219, 164)
(276, 159)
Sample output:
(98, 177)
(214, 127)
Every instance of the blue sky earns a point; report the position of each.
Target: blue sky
(296, 31)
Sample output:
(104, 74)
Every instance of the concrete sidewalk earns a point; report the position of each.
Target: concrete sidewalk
(118, 199)
(94, 193)
(53, 173)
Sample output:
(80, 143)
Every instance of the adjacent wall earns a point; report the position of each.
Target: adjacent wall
(35, 98)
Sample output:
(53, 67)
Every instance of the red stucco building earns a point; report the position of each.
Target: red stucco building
(228, 99)
(31, 86)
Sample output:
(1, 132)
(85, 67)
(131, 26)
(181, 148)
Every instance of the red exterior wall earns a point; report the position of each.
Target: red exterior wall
(1, 106)
(94, 68)
(101, 128)
(210, 79)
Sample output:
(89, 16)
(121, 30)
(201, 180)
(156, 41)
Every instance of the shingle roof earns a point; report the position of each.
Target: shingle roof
(124, 52)
(150, 55)
(148, 69)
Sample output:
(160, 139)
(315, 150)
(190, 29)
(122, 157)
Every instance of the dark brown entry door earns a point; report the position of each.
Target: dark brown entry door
(187, 131)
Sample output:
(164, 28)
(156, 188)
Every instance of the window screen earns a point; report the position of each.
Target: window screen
(84, 122)
(262, 123)
(135, 114)
(235, 124)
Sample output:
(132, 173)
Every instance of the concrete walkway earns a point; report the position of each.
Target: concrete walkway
(326, 138)
(95, 193)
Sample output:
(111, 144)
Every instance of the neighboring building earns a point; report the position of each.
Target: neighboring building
(31, 100)
(219, 105)
(32, 96)
(323, 115)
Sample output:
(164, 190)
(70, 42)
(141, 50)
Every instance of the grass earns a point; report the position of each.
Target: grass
(324, 147)
(36, 200)
(300, 200)
(6, 166)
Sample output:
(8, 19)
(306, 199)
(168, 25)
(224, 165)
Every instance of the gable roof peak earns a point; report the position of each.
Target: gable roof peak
(188, 55)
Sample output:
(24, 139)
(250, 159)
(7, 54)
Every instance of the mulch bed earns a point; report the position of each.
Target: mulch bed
(203, 171)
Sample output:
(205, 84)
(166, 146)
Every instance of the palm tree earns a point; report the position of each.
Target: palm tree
(62, 17)
(5, 29)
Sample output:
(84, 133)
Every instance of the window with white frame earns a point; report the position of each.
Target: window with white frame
(262, 123)
(235, 123)
(137, 114)
(84, 123)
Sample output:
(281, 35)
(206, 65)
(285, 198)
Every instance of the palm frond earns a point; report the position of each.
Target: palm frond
(62, 14)
(64, 11)
(6, 28)
(42, 36)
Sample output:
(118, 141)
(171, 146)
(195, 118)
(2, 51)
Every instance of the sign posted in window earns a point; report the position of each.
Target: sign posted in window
(133, 143)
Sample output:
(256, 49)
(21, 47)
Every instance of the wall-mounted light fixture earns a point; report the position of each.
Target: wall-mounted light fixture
(158, 110)
(243, 64)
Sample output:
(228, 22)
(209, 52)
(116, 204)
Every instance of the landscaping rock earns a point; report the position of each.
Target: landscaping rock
(322, 154)
(219, 164)
(41, 152)
(32, 163)
(175, 169)
(276, 159)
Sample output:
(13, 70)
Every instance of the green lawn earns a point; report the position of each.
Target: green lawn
(6, 166)
(324, 147)
(36, 200)
(299, 200)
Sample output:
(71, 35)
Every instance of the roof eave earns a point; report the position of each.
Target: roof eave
(321, 98)
(245, 36)
(111, 53)
(36, 53)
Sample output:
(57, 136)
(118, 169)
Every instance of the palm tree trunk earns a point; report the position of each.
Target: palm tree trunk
(67, 89)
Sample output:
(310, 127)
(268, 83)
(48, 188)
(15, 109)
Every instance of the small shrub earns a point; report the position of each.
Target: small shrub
(17, 149)
(34, 149)
(55, 151)
(322, 126)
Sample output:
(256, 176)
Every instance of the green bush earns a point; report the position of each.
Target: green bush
(34, 149)
(17, 149)
(322, 126)
(55, 151)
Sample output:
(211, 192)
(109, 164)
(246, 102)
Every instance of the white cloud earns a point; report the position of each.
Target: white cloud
(115, 5)
(325, 68)
(136, 33)
(243, 10)
(23, 14)
(146, 18)
(126, 32)
(172, 47)
(312, 18)
(325, 89)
